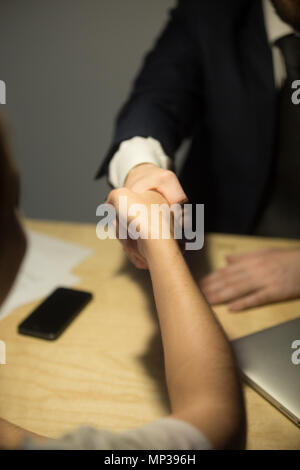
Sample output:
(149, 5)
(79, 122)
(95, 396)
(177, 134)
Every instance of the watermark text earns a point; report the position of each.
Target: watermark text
(296, 353)
(159, 221)
(296, 93)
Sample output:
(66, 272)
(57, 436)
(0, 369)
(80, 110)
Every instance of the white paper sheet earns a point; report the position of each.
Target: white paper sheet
(47, 265)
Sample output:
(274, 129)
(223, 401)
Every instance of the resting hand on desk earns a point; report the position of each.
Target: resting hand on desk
(255, 279)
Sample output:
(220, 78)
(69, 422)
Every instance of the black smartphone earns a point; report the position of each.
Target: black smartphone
(55, 313)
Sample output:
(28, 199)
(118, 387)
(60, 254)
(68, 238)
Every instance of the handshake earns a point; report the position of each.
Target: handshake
(149, 211)
(136, 222)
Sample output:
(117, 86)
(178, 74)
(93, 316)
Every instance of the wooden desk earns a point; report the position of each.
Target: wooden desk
(106, 370)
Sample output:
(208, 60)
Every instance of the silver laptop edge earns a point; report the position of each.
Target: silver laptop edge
(265, 360)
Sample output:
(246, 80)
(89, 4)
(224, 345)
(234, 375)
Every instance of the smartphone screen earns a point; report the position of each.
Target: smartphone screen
(52, 316)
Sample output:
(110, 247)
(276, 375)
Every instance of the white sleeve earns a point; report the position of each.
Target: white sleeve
(163, 434)
(133, 152)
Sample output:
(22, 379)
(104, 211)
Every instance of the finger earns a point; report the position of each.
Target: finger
(131, 250)
(228, 293)
(256, 299)
(138, 263)
(114, 196)
(223, 273)
(111, 197)
(228, 279)
(136, 260)
(246, 256)
(238, 257)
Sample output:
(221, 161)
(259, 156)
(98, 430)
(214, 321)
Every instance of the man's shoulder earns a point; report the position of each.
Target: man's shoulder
(212, 10)
(213, 5)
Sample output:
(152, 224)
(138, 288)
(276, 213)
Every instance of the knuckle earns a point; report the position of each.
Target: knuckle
(228, 293)
(115, 194)
(122, 192)
(276, 284)
(224, 278)
(262, 297)
(168, 175)
(111, 195)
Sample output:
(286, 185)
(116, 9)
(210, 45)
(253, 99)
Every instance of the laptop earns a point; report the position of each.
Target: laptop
(270, 363)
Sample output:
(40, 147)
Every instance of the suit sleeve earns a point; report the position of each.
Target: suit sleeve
(167, 91)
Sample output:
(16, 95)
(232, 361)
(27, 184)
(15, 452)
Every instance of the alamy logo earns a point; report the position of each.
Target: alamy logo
(160, 221)
(2, 92)
(2, 352)
(296, 354)
(296, 94)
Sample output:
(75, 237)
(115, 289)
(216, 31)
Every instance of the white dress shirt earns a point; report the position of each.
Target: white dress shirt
(139, 150)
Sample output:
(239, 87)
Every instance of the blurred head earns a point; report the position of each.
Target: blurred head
(12, 238)
(289, 11)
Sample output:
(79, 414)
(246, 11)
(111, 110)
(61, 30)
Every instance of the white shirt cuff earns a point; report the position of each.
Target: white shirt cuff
(133, 152)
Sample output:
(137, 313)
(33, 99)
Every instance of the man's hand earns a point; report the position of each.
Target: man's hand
(147, 177)
(254, 279)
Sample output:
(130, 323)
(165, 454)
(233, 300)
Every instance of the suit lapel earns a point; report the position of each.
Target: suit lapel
(242, 109)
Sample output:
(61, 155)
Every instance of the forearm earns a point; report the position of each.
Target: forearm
(200, 368)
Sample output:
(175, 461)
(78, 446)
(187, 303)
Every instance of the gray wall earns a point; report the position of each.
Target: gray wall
(68, 65)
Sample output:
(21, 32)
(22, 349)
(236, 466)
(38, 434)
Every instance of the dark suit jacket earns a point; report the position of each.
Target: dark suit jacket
(210, 77)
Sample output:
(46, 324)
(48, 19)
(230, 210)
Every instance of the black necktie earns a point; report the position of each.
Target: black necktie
(282, 214)
(290, 48)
